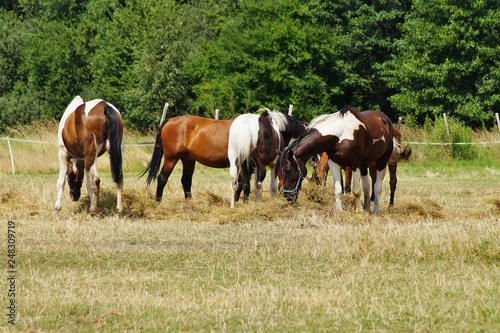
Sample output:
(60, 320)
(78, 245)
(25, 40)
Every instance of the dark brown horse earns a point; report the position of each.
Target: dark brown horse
(349, 138)
(86, 131)
(399, 154)
(254, 143)
(190, 139)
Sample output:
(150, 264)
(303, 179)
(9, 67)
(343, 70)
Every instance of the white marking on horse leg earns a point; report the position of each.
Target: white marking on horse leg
(119, 203)
(378, 189)
(335, 169)
(61, 180)
(89, 188)
(274, 184)
(366, 191)
(258, 190)
(233, 173)
(95, 187)
(356, 189)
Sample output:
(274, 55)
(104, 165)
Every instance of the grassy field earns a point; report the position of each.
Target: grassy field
(430, 264)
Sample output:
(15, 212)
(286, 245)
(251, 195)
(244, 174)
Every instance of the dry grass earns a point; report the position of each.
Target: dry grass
(429, 264)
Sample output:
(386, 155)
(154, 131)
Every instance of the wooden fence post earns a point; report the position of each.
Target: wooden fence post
(164, 114)
(290, 110)
(446, 124)
(11, 157)
(217, 114)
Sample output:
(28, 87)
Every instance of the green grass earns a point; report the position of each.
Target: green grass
(429, 264)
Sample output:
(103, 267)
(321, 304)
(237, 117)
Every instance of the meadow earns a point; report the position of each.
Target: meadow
(431, 263)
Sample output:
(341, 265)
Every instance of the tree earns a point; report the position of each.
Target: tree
(449, 61)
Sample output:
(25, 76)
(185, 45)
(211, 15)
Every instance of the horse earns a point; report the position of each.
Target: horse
(254, 143)
(349, 138)
(398, 155)
(86, 131)
(190, 139)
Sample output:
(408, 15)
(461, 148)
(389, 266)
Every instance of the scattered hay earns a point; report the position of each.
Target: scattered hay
(417, 211)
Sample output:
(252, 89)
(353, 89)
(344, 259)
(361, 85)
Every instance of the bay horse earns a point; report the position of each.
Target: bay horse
(86, 131)
(190, 139)
(254, 143)
(398, 155)
(349, 138)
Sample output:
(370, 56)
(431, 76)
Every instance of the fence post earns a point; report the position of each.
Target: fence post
(400, 119)
(11, 156)
(216, 114)
(498, 121)
(164, 114)
(290, 110)
(446, 124)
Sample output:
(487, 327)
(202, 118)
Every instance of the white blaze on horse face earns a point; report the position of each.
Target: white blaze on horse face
(342, 127)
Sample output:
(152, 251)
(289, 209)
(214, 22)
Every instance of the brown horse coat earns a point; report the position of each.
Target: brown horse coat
(350, 138)
(86, 131)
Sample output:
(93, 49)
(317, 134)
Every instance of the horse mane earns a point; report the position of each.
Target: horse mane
(347, 108)
(319, 119)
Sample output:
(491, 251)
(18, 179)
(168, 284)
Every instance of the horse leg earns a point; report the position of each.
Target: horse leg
(378, 189)
(336, 173)
(187, 176)
(274, 186)
(392, 181)
(95, 182)
(168, 166)
(365, 179)
(234, 185)
(61, 180)
(373, 176)
(356, 189)
(348, 180)
(260, 175)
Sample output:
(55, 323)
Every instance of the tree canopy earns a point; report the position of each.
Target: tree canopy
(412, 58)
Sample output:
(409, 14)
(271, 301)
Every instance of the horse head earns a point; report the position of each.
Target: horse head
(75, 179)
(294, 171)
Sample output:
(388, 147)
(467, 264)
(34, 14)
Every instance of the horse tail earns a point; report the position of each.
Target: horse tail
(242, 140)
(115, 143)
(405, 154)
(153, 167)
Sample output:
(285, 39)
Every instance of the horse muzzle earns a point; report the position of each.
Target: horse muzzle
(291, 197)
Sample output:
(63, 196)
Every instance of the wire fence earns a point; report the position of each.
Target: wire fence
(151, 144)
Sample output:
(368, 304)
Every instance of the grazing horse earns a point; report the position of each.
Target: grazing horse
(398, 155)
(86, 131)
(350, 138)
(190, 139)
(254, 143)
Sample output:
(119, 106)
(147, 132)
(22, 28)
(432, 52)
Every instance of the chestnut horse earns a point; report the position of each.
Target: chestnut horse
(399, 154)
(190, 139)
(86, 131)
(349, 138)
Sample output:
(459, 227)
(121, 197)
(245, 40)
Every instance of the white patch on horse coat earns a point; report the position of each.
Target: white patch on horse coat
(75, 103)
(379, 139)
(341, 126)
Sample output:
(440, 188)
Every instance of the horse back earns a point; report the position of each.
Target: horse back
(201, 139)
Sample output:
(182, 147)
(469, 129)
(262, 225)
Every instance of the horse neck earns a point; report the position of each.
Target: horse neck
(308, 146)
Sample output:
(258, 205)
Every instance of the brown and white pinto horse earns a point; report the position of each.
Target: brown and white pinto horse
(350, 138)
(86, 131)
(190, 139)
(399, 154)
(254, 143)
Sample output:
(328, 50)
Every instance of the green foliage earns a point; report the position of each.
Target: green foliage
(417, 58)
(449, 61)
(459, 137)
